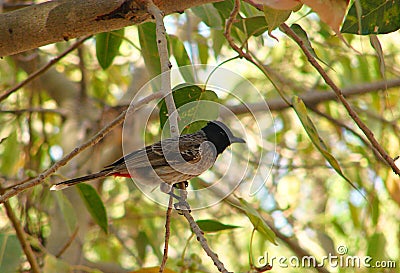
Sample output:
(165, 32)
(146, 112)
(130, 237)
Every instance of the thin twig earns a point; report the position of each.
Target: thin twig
(91, 142)
(68, 243)
(123, 243)
(203, 241)
(246, 55)
(165, 66)
(26, 247)
(162, 46)
(167, 234)
(368, 133)
(60, 112)
(196, 229)
(43, 69)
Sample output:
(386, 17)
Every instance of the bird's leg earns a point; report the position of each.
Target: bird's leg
(182, 198)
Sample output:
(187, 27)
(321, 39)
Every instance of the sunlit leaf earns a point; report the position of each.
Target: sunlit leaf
(209, 15)
(10, 155)
(376, 246)
(304, 37)
(94, 205)
(253, 26)
(107, 46)
(312, 132)
(218, 40)
(195, 107)
(376, 17)
(67, 211)
(148, 44)
(257, 220)
(181, 57)
(331, 12)
(376, 44)
(214, 226)
(275, 17)
(52, 264)
(10, 253)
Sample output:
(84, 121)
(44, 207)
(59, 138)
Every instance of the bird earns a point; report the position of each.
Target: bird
(169, 161)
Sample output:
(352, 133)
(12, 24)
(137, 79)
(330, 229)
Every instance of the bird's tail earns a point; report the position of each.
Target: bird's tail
(74, 181)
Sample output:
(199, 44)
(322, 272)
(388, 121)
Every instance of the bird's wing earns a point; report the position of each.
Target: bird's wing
(163, 153)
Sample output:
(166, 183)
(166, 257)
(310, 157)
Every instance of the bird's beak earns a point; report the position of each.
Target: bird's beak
(237, 140)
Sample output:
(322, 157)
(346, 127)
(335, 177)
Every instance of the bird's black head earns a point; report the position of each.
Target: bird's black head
(220, 135)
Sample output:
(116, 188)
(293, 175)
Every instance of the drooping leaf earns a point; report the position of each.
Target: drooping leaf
(274, 17)
(253, 26)
(67, 211)
(218, 40)
(10, 253)
(372, 17)
(148, 44)
(318, 142)
(376, 246)
(376, 44)
(94, 205)
(195, 107)
(52, 264)
(304, 37)
(10, 155)
(181, 57)
(257, 220)
(213, 226)
(202, 49)
(209, 15)
(331, 12)
(107, 46)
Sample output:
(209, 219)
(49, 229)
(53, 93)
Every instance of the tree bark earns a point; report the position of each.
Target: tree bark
(59, 20)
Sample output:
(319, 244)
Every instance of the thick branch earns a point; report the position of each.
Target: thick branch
(59, 20)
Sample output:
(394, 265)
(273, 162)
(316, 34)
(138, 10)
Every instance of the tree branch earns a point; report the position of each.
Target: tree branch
(92, 141)
(59, 20)
(26, 247)
(162, 45)
(41, 70)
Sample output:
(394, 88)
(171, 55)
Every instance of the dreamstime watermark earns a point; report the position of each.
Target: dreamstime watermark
(337, 260)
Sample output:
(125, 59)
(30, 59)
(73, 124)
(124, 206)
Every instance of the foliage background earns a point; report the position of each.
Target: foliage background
(309, 206)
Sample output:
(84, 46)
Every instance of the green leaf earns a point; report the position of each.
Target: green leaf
(213, 226)
(376, 44)
(218, 40)
(372, 17)
(10, 155)
(94, 205)
(67, 211)
(10, 253)
(377, 246)
(257, 220)
(181, 57)
(52, 264)
(107, 46)
(195, 107)
(142, 241)
(304, 37)
(202, 49)
(274, 18)
(209, 15)
(312, 132)
(148, 44)
(253, 26)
